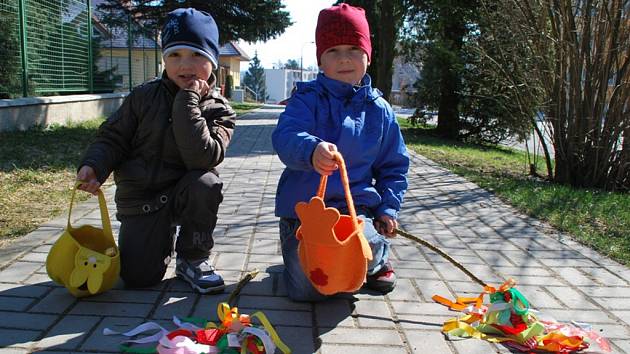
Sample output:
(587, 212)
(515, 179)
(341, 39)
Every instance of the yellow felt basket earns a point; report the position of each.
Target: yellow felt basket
(332, 249)
(85, 259)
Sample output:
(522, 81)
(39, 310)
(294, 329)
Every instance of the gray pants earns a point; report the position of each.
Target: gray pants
(146, 240)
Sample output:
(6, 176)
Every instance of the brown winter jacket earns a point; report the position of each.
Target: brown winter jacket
(158, 134)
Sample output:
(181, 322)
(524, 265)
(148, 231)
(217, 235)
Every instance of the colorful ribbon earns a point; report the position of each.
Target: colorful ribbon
(235, 334)
(509, 320)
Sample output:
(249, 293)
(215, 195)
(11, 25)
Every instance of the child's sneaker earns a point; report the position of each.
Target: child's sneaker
(382, 281)
(200, 275)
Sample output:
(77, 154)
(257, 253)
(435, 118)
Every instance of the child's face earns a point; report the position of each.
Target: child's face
(183, 66)
(346, 63)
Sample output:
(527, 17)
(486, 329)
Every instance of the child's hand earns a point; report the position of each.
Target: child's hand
(323, 159)
(88, 177)
(199, 86)
(386, 225)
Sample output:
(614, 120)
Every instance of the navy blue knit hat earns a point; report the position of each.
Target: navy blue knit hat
(191, 29)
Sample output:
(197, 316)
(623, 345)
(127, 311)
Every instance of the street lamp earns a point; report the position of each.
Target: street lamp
(301, 58)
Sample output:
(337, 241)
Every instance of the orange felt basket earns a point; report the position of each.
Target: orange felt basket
(333, 251)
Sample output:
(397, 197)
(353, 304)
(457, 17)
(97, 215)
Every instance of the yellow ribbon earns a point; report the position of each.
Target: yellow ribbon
(272, 332)
(227, 315)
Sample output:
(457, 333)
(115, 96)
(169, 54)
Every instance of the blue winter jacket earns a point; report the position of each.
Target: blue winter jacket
(364, 128)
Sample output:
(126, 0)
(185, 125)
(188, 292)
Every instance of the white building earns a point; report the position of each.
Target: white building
(280, 82)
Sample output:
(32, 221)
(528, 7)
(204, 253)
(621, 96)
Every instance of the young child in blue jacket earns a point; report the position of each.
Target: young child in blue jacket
(341, 111)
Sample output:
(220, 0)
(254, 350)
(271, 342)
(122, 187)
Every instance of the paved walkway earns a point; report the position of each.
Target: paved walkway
(561, 278)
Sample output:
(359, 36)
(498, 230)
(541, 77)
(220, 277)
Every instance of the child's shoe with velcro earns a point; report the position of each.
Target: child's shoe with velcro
(200, 275)
(383, 281)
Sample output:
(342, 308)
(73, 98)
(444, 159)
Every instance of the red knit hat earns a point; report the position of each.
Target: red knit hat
(342, 24)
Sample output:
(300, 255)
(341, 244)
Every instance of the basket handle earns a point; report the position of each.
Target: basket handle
(321, 190)
(102, 204)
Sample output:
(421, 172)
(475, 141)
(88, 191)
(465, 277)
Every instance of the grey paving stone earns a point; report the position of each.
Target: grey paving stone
(13, 350)
(472, 346)
(100, 343)
(575, 276)
(363, 336)
(298, 339)
(34, 257)
(412, 308)
(15, 303)
(539, 280)
(614, 303)
(538, 298)
(283, 318)
(571, 298)
(17, 338)
(262, 285)
(334, 312)
(68, 333)
(127, 295)
(261, 246)
(40, 279)
(606, 277)
(494, 258)
(17, 320)
(21, 290)
(611, 331)
(206, 306)
(415, 273)
(623, 344)
(606, 291)
(373, 314)
(517, 272)
(175, 304)
(428, 288)
(272, 303)
(361, 349)
(111, 309)
(623, 315)
(559, 262)
(427, 342)
(592, 316)
(55, 302)
(404, 290)
(19, 271)
(230, 261)
(423, 322)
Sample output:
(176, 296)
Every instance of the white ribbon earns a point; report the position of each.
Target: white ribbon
(145, 327)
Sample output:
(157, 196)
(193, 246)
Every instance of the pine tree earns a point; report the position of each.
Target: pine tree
(251, 21)
(10, 66)
(255, 78)
(292, 64)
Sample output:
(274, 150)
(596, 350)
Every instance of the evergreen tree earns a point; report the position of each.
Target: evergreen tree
(439, 30)
(255, 78)
(252, 21)
(229, 86)
(10, 73)
(292, 64)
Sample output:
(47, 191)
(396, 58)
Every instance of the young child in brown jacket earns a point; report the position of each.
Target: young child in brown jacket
(163, 145)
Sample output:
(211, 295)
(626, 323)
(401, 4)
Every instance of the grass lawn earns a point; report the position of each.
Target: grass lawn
(598, 219)
(37, 169)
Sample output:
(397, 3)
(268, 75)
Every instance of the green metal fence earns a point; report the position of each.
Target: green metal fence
(53, 47)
